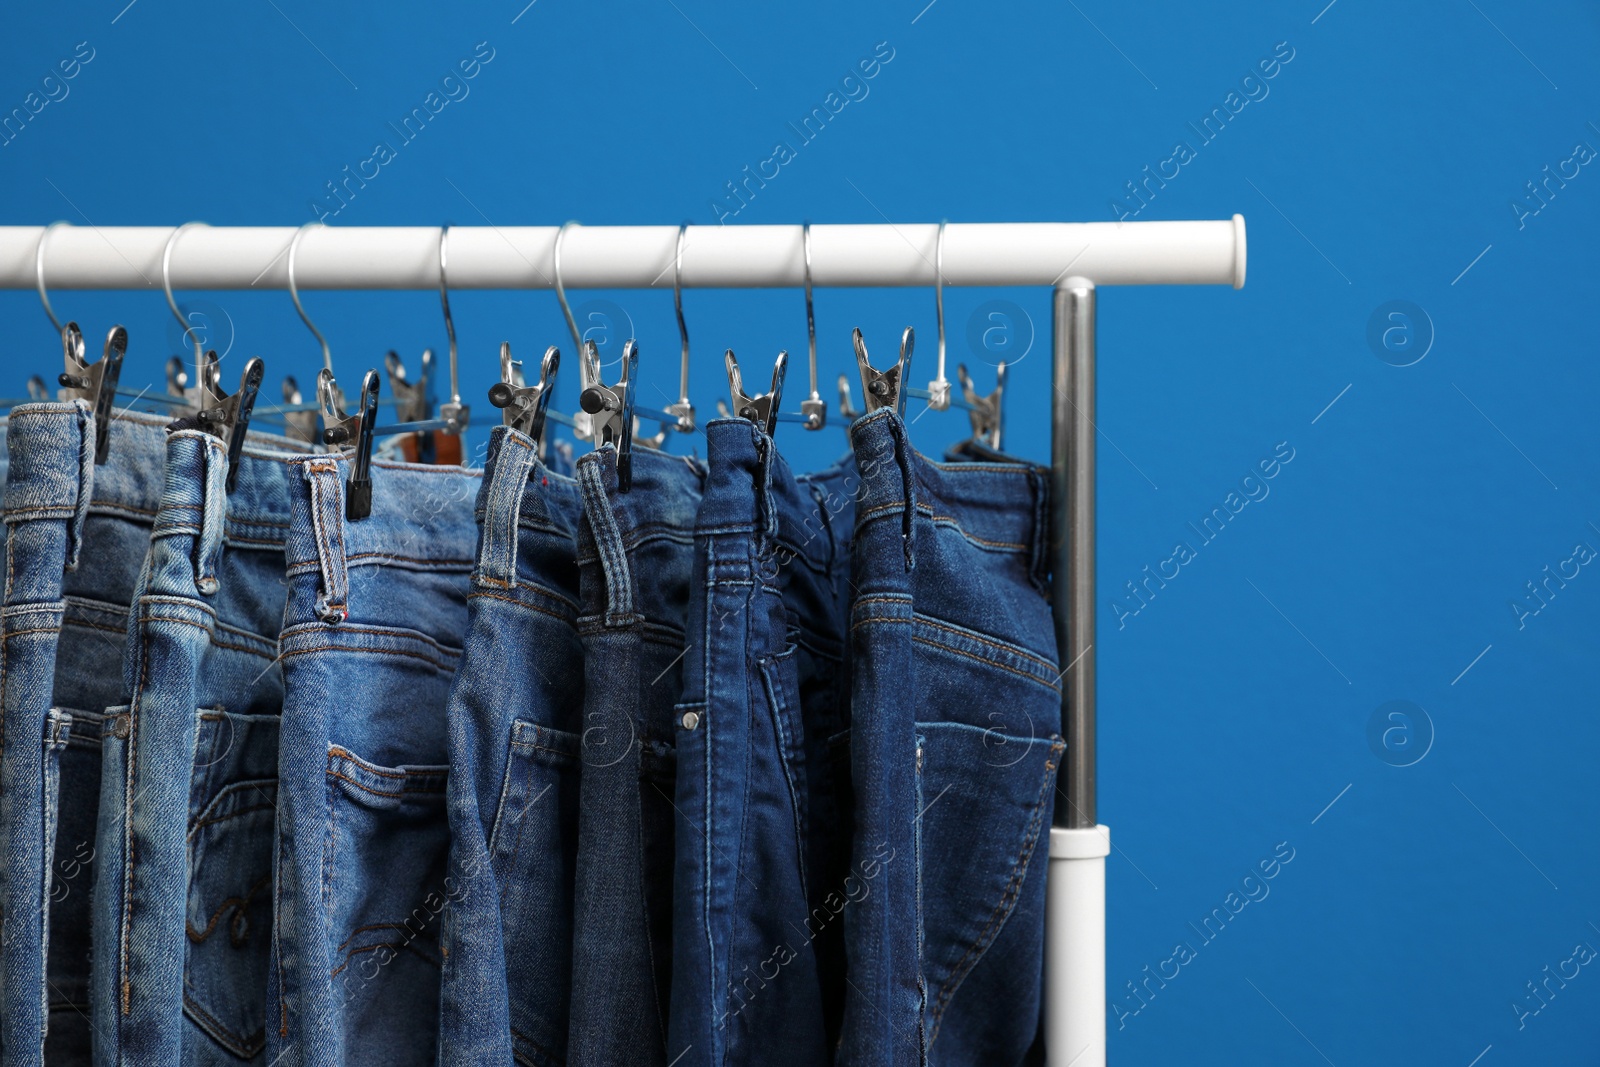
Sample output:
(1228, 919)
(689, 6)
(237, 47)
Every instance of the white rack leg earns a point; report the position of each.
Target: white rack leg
(1075, 947)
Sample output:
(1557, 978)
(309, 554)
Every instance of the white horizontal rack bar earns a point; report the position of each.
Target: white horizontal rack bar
(631, 257)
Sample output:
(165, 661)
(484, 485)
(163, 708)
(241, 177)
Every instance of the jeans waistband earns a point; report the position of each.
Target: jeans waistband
(52, 471)
(749, 487)
(1000, 507)
(422, 519)
(662, 504)
(508, 503)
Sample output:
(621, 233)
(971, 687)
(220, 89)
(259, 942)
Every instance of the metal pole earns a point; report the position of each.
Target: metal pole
(1075, 893)
(1072, 543)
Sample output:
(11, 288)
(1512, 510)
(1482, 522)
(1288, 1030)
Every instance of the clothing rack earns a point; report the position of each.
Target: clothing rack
(1073, 258)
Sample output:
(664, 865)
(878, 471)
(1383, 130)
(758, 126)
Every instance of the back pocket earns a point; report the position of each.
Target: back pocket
(383, 888)
(533, 847)
(985, 800)
(233, 799)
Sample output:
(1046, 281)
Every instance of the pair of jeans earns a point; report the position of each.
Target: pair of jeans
(370, 642)
(757, 941)
(954, 745)
(183, 890)
(76, 534)
(635, 560)
(515, 718)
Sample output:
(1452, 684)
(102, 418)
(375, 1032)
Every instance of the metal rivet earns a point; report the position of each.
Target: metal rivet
(208, 585)
(691, 719)
(121, 726)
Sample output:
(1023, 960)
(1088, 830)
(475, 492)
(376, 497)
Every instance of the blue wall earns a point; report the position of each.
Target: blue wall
(1425, 469)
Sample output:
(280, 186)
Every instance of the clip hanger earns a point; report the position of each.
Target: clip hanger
(95, 384)
(178, 386)
(884, 389)
(986, 412)
(525, 405)
(813, 407)
(763, 409)
(610, 407)
(683, 410)
(228, 417)
(352, 430)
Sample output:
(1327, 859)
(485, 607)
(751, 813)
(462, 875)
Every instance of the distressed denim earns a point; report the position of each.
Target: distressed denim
(76, 536)
(954, 744)
(371, 639)
(515, 717)
(183, 892)
(758, 967)
(635, 558)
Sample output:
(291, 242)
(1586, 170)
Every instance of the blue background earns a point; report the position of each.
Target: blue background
(1382, 164)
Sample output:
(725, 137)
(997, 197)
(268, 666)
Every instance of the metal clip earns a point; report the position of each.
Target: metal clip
(97, 384)
(525, 405)
(228, 417)
(986, 412)
(610, 408)
(884, 389)
(761, 410)
(353, 430)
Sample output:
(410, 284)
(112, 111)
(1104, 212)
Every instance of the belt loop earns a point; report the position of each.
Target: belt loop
(767, 506)
(213, 517)
(327, 519)
(80, 512)
(903, 456)
(592, 477)
(502, 507)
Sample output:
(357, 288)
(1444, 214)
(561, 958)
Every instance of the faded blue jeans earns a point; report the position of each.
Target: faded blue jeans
(515, 714)
(758, 965)
(183, 917)
(635, 557)
(76, 537)
(954, 745)
(371, 640)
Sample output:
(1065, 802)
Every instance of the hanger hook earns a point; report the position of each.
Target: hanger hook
(561, 295)
(449, 323)
(294, 294)
(939, 388)
(166, 286)
(38, 274)
(683, 409)
(813, 407)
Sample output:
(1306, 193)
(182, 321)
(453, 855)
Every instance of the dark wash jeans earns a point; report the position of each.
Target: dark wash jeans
(515, 718)
(183, 916)
(371, 639)
(758, 967)
(63, 643)
(954, 744)
(635, 559)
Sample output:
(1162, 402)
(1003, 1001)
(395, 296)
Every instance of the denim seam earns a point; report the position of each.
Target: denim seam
(146, 619)
(567, 618)
(930, 621)
(446, 667)
(1019, 870)
(245, 1049)
(778, 705)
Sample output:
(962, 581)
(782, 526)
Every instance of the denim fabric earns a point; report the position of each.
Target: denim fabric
(371, 638)
(515, 715)
(955, 708)
(76, 536)
(757, 939)
(183, 919)
(635, 556)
